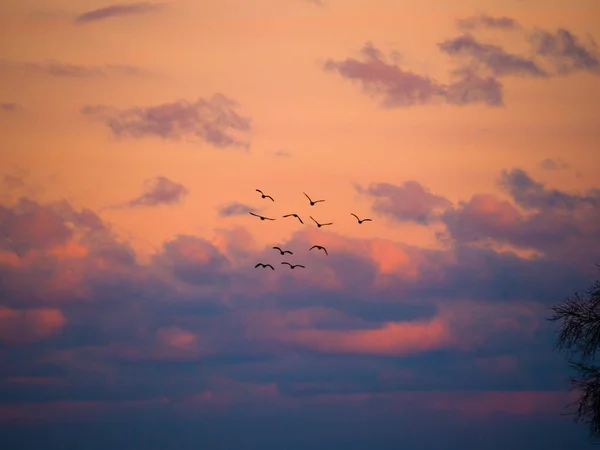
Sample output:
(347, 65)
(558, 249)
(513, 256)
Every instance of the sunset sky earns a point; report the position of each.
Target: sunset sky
(134, 137)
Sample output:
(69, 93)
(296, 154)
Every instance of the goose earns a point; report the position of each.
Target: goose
(292, 265)
(283, 252)
(312, 203)
(361, 221)
(296, 216)
(264, 265)
(319, 247)
(320, 224)
(261, 217)
(264, 195)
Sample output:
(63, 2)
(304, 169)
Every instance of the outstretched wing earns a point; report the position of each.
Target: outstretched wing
(314, 246)
(268, 196)
(307, 197)
(355, 216)
(288, 215)
(269, 265)
(314, 220)
(258, 265)
(258, 190)
(300, 265)
(287, 251)
(255, 215)
(325, 250)
(330, 223)
(298, 217)
(276, 248)
(367, 220)
(269, 218)
(318, 201)
(284, 262)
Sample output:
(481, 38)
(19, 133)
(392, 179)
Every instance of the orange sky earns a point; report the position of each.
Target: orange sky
(265, 54)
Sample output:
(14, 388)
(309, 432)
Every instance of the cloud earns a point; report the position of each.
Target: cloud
(565, 52)
(160, 191)
(17, 326)
(410, 202)
(395, 87)
(117, 10)
(234, 209)
(9, 107)
(60, 69)
(553, 164)
(486, 21)
(89, 330)
(214, 121)
(494, 58)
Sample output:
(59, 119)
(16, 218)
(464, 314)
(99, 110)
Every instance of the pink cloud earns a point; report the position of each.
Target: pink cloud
(29, 325)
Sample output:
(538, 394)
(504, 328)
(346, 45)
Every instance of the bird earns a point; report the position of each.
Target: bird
(292, 265)
(310, 200)
(296, 216)
(261, 217)
(264, 195)
(361, 221)
(320, 224)
(320, 247)
(264, 265)
(283, 252)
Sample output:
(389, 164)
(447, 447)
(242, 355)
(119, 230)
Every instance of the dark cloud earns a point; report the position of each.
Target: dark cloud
(486, 21)
(160, 191)
(214, 121)
(396, 87)
(67, 70)
(117, 10)
(553, 164)
(565, 52)
(410, 202)
(494, 58)
(234, 209)
(87, 331)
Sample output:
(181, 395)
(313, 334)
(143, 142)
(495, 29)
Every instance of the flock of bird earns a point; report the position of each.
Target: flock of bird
(319, 225)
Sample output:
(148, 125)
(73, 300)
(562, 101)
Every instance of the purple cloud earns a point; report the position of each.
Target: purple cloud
(9, 106)
(553, 164)
(213, 121)
(66, 70)
(396, 87)
(234, 209)
(486, 21)
(565, 52)
(160, 191)
(410, 202)
(117, 10)
(494, 58)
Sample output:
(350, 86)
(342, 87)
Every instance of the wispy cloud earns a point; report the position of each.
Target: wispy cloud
(234, 209)
(487, 21)
(157, 191)
(67, 70)
(553, 164)
(117, 10)
(214, 121)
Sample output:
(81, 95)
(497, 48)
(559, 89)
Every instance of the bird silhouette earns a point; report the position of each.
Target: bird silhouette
(319, 247)
(264, 266)
(283, 252)
(296, 216)
(320, 224)
(312, 203)
(292, 265)
(361, 221)
(261, 217)
(264, 195)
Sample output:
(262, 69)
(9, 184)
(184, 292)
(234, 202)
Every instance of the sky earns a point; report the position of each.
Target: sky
(134, 137)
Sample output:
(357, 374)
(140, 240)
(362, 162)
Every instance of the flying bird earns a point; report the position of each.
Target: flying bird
(264, 265)
(312, 203)
(264, 195)
(319, 247)
(361, 221)
(283, 252)
(261, 217)
(320, 224)
(292, 266)
(296, 216)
